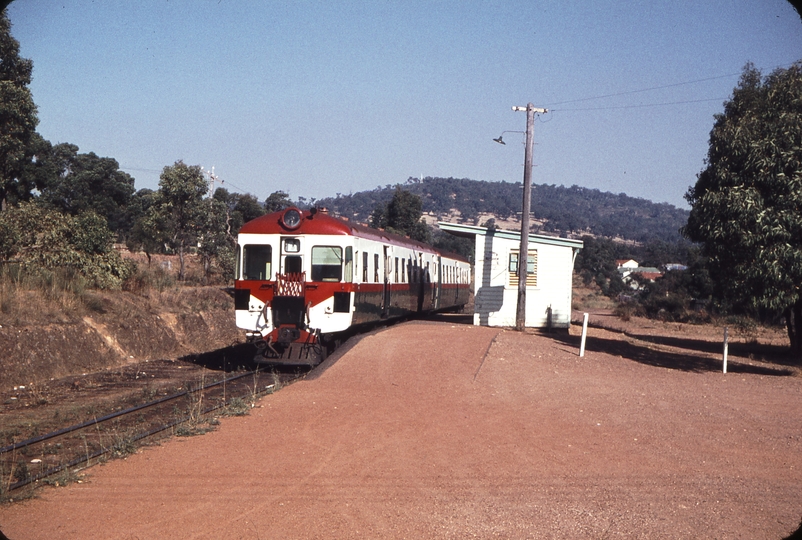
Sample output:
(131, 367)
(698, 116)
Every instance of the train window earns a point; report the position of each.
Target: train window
(403, 272)
(395, 269)
(293, 264)
(257, 262)
(364, 267)
(327, 263)
(349, 264)
(292, 245)
(376, 268)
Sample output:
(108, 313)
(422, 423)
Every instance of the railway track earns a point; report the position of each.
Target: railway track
(62, 453)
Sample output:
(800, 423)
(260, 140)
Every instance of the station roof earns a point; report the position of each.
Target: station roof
(469, 231)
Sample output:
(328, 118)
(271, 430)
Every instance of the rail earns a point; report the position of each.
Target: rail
(10, 454)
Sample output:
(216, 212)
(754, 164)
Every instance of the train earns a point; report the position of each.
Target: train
(305, 279)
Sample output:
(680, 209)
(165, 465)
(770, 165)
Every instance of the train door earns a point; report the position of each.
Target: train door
(386, 284)
(439, 285)
(291, 258)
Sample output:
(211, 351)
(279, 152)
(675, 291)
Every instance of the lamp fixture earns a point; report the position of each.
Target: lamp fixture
(500, 140)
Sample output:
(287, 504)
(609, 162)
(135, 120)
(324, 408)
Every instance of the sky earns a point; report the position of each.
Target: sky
(317, 98)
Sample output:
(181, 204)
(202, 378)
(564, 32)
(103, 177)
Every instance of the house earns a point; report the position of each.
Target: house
(642, 273)
(550, 263)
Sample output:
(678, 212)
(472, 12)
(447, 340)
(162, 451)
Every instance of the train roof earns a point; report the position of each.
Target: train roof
(321, 222)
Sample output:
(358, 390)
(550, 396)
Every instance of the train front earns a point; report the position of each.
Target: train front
(294, 284)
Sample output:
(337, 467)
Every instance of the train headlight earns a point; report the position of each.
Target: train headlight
(291, 218)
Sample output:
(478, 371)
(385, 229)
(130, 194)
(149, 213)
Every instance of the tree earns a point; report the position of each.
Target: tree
(17, 115)
(75, 183)
(596, 262)
(216, 241)
(241, 208)
(139, 236)
(747, 202)
(278, 200)
(177, 213)
(402, 215)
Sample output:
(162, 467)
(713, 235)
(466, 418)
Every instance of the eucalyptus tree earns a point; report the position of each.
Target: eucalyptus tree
(177, 214)
(17, 115)
(402, 215)
(76, 183)
(747, 202)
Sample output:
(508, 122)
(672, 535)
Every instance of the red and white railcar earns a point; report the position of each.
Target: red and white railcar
(304, 278)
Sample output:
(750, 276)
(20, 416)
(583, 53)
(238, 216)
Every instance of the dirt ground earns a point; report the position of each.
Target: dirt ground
(446, 430)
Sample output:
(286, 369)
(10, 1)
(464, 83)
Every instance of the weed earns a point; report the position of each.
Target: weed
(237, 407)
(123, 446)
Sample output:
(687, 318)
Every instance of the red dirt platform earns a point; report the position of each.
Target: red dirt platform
(439, 430)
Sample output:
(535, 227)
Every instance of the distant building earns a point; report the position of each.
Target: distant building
(549, 277)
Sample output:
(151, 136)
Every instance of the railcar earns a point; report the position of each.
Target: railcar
(305, 278)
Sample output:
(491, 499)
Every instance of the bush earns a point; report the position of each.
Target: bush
(51, 246)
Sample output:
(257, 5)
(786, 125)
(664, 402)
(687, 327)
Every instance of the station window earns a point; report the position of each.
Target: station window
(531, 268)
(257, 262)
(327, 263)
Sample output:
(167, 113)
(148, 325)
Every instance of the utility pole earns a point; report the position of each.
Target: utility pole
(523, 254)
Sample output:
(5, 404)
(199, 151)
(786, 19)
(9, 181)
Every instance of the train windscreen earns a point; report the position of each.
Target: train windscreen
(257, 262)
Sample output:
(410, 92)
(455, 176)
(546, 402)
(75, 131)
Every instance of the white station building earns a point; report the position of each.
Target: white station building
(548, 284)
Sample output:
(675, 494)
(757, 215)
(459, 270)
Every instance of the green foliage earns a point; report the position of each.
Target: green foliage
(402, 215)
(216, 243)
(241, 208)
(747, 203)
(17, 116)
(75, 183)
(177, 214)
(276, 201)
(140, 236)
(595, 262)
(42, 241)
(454, 244)
(680, 295)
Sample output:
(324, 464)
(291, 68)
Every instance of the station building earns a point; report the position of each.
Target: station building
(549, 276)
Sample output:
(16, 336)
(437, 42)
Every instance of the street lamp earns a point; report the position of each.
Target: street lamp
(523, 253)
(500, 140)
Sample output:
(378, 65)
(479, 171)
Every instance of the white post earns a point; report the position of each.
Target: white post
(584, 335)
(726, 345)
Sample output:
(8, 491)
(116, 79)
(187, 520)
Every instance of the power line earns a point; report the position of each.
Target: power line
(645, 89)
(640, 106)
(628, 92)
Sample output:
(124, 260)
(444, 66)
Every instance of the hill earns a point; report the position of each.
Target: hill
(557, 210)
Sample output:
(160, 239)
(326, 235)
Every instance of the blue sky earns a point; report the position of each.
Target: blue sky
(317, 98)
